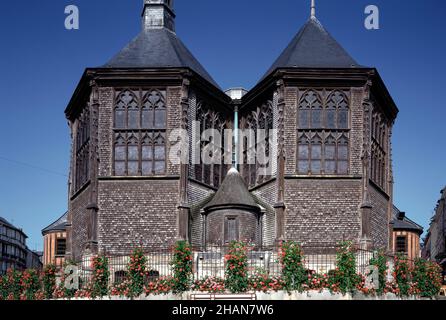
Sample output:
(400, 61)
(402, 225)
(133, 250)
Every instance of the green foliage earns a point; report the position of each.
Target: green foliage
(101, 275)
(182, 266)
(294, 273)
(237, 268)
(380, 261)
(30, 284)
(49, 280)
(344, 278)
(136, 272)
(426, 278)
(402, 275)
(12, 285)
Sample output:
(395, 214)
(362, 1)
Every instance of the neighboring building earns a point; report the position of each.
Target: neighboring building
(434, 247)
(34, 260)
(406, 235)
(55, 242)
(13, 250)
(331, 177)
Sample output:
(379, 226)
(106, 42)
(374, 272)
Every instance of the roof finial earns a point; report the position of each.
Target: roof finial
(313, 9)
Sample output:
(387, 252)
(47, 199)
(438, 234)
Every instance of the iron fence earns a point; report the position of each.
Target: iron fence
(211, 262)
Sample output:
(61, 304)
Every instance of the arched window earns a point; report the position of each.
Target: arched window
(132, 155)
(379, 147)
(343, 155)
(154, 114)
(337, 111)
(82, 163)
(120, 155)
(310, 111)
(303, 151)
(257, 161)
(160, 153)
(316, 154)
(210, 173)
(140, 128)
(147, 154)
(330, 154)
(323, 133)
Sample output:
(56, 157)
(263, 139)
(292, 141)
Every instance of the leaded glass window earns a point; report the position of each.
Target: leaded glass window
(259, 121)
(323, 133)
(210, 173)
(140, 133)
(379, 146)
(82, 146)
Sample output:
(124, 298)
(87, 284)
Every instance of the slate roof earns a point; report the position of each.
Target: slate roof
(7, 223)
(10, 225)
(404, 223)
(313, 47)
(158, 48)
(58, 225)
(232, 192)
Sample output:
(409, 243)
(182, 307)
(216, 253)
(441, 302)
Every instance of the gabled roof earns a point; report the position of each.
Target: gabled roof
(313, 47)
(401, 222)
(158, 48)
(58, 225)
(233, 192)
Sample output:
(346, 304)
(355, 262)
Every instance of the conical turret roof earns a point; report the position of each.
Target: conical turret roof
(232, 192)
(313, 47)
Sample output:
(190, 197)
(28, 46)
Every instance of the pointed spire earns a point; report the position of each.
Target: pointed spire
(313, 9)
(158, 14)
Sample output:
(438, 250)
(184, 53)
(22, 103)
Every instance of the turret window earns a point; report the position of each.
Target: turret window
(379, 146)
(323, 133)
(82, 155)
(140, 133)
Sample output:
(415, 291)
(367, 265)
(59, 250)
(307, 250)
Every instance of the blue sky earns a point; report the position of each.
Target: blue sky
(237, 41)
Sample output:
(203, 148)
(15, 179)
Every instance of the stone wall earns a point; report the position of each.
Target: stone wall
(321, 211)
(379, 220)
(137, 214)
(78, 215)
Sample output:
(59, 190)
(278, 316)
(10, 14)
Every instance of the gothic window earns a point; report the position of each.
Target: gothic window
(303, 153)
(310, 111)
(330, 155)
(210, 173)
(323, 133)
(316, 154)
(82, 146)
(337, 111)
(378, 156)
(260, 122)
(140, 133)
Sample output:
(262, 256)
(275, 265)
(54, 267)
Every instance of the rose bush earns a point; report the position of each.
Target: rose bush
(237, 267)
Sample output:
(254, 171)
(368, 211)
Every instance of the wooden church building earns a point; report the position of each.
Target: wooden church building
(331, 177)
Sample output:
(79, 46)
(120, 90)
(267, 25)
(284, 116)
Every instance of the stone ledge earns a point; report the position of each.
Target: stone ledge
(324, 295)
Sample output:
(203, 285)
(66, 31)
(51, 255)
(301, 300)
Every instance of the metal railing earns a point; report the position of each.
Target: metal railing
(211, 263)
